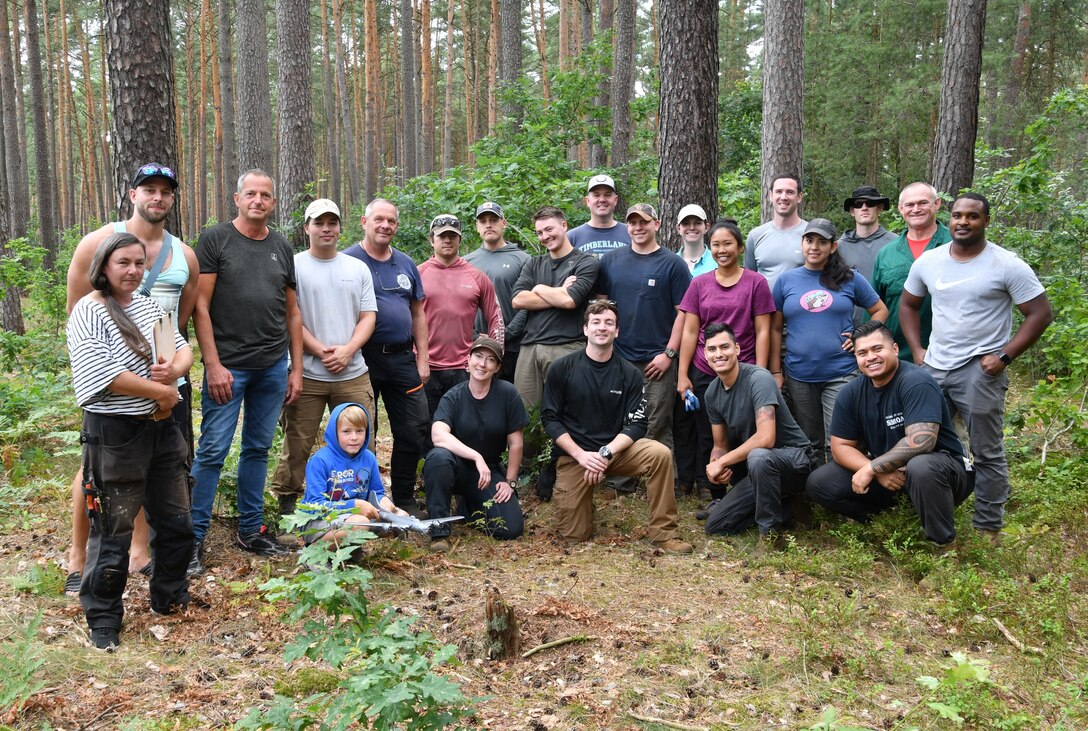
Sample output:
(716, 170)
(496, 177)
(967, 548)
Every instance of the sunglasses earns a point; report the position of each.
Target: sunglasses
(440, 221)
(865, 204)
(157, 170)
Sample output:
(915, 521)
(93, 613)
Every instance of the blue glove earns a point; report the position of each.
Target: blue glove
(691, 401)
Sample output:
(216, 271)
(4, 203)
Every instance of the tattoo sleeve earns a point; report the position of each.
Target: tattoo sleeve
(920, 438)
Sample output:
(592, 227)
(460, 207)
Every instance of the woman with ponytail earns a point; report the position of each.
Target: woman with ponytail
(133, 453)
(815, 304)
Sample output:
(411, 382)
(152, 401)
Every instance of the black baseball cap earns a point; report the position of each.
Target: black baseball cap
(154, 170)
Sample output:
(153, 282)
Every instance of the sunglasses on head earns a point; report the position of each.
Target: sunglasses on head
(445, 221)
(157, 170)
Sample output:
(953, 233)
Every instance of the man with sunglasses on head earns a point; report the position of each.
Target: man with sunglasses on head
(457, 291)
(170, 278)
(397, 352)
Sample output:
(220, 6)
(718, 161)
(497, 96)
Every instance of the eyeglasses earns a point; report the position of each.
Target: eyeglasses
(157, 170)
(865, 204)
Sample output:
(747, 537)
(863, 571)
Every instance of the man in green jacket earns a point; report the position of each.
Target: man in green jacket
(918, 204)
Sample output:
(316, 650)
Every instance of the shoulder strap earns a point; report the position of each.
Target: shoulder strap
(156, 268)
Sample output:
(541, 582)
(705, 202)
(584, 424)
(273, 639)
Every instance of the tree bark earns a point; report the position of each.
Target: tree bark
(447, 115)
(372, 128)
(493, 41)
(17, 191)
(623, 80)
(332, 129)
(596, 157)
(188, 147)
(957, 122)
(426, 154)
(688, 111)
(226, 94)
(541, 45)
(510, 51)
(254, 111)
(503, 634)
(781, 151)
(43, 167)
(141, 74)
(409, 167)
(296, 136)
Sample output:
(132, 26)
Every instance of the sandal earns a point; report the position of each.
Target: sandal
(71, 584)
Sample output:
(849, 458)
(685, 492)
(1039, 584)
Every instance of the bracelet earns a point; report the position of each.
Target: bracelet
(776, 373)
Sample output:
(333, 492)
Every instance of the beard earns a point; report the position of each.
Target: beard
(150, 217)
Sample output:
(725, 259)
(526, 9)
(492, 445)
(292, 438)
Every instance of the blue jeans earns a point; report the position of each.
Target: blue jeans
(262, 392)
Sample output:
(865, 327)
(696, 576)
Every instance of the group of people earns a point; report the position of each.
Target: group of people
(752, 371)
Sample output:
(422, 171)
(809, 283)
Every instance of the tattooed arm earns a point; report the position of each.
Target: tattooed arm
(887, 469)
(764, 437)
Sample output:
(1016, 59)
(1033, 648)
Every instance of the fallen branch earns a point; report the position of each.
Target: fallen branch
(665, 722)
(462, 566)
(1013, 641)
(556, 643)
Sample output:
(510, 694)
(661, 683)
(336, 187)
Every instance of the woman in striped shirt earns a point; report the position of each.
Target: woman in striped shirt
(133, 453)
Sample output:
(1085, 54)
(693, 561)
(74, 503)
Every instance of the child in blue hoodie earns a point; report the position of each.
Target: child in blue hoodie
(341, 475)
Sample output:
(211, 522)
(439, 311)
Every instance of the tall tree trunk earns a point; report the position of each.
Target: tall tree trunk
(536, 12)
(332, 129)
(1016, 72)
(623, 81)
(226, 94)
(426, 154)
(20, 104)
(51, 112)
(603, 100)
(296, 138)
(43, 164)
(18, 195)
(94, 198)
(781, 152)
(957, 122)
(254, 111)
(141, 73)
(447, 113)
(409, 97)
(688, 111)
(373, 119)
(510, 51)
(200, 184)
(468, 40)
(564, 34)
(493, 41)
(188, 147)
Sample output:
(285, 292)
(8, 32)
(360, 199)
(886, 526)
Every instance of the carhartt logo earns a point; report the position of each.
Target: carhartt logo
(618, 393)
(652, 282)
(942, 284)
(274, 256)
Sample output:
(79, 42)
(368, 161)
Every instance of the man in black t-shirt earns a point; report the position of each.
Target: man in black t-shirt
(475, 422)
(594, 409)
(891, 431)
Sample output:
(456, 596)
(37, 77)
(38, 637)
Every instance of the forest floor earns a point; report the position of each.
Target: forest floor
(839, 629)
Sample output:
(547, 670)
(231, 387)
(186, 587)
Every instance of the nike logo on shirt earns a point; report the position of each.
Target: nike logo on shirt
(941, 284)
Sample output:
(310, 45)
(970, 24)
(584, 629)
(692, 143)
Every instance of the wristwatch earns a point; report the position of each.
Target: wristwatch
(670, 353)
(1004, 357)
(605, 452)
(513, 483)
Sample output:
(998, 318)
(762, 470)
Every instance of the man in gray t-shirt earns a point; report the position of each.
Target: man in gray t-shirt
(336, 299)
(758, 446)
(775, 246)
(973, 284)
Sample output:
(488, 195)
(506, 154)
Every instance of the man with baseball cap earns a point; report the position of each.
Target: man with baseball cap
(475, 423)
(860, 245)
(692, 225)
(648, 282)
(170, 278)
(501, 261)
(336, 298)
(602, 232)
(456, 291)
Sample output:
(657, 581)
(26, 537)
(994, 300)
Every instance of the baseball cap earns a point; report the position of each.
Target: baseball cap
(320, 207)
(152, 170)
(600, 180)
(691, 209)
(823, 227)
(445, 222)
(644, 210)
(486, 343)
(489, 207)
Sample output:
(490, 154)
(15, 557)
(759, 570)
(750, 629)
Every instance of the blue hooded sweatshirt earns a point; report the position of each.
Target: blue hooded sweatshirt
(334, 479)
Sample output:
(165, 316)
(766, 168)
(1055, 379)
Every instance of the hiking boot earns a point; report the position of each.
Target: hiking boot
(185, 601)
(105, 638)
(769, 544)
(545, 483)
(440, 545)
(288, 504)
(260, 543)
(705, 512)
(802, 511)
(683, 489)
(673, 545)
(703, 492)
(622, 485)
(989, 537)
(196, 563)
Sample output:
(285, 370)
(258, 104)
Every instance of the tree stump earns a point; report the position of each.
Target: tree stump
(503, 634)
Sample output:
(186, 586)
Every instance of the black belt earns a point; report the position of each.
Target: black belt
(391, 347)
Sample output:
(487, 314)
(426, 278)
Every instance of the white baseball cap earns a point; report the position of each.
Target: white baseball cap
(691, 209)
(319, 207)
(600, 180)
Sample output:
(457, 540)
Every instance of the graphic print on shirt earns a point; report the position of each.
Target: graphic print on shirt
(338, 482)
(816, 300)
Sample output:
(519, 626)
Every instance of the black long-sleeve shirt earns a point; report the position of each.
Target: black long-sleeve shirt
(593, 402)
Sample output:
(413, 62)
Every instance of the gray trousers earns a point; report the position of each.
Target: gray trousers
(936, 484)
(758, 498)
(812, 405)
(980, 399)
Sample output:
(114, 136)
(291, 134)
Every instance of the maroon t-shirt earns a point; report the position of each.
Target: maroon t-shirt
(737, 306)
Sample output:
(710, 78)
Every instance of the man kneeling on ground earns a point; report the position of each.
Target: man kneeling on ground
(758, 446)
(891, 431)
(594, 409)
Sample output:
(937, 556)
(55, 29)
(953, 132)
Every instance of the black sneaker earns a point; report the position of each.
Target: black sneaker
(185, 601)
(260, 543)
(705, 512)
(196, 563)
(105, 638)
